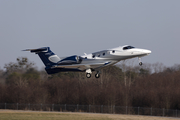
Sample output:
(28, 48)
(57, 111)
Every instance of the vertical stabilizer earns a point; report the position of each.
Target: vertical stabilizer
(46, 55)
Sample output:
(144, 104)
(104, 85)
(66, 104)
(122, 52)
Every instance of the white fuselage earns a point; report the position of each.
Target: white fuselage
(115, 55)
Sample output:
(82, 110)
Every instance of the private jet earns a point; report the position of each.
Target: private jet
(87, 62)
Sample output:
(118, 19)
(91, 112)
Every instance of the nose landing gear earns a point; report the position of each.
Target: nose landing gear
(140, 63)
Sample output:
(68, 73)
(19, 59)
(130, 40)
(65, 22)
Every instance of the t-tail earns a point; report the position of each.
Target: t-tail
(47, 56)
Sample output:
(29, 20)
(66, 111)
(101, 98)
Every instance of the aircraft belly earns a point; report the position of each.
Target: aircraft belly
(87, 64)
(127, 56)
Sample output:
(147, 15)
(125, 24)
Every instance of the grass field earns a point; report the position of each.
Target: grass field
(28, 115)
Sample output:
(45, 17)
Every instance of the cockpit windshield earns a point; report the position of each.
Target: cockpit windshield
(128, 47)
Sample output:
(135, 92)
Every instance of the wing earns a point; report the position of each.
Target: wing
(85, 66)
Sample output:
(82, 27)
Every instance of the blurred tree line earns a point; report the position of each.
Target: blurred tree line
(151, 85)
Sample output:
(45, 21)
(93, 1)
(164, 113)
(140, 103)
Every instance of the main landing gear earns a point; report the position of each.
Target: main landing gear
(88, 75)
(89, 72)
(97, 75)
(140, 63)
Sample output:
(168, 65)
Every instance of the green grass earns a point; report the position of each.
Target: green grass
(48, 116)
(35, 115)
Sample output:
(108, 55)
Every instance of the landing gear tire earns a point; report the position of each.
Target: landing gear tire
(88, 75)
(140, 63)
(97, 75)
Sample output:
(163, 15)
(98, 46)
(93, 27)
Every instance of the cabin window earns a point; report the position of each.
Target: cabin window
(127, 47)
(93, 56)
(113, 51)
(103, 53)
(85, 57)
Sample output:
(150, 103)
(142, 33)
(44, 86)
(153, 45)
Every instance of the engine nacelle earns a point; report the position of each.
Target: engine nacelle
(70, 60)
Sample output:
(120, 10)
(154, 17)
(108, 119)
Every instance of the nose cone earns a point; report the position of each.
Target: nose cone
(147, 52)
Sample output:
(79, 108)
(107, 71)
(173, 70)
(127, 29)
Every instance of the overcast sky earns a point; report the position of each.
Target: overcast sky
(72, 27)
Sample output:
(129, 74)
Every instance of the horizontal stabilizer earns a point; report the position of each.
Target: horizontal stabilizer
(43, 49)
